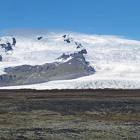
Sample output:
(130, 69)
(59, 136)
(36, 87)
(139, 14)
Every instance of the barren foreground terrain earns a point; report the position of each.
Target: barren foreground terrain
(70, 115)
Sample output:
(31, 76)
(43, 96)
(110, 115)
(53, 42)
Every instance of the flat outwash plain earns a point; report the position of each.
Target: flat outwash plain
(70, 114)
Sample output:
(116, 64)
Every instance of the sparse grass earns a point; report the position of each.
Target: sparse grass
(41, 116)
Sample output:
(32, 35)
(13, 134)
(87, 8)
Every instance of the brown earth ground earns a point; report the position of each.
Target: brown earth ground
(70, 114)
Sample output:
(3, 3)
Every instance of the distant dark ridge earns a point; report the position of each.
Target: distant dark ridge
(72, 90)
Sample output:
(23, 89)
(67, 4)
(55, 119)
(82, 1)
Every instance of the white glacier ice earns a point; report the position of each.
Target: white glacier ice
(116, 59)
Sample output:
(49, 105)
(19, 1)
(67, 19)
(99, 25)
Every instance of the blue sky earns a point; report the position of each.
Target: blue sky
(110, 17)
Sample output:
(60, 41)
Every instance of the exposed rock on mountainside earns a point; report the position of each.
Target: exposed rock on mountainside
(69, 39)
(79, 54)
(0, 58)
(39, 38)
(79, 45)
(6, 46)
(14, 41)
(26, 74)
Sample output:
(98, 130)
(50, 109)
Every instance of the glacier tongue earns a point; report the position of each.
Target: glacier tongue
(81, 84)
(116, 60)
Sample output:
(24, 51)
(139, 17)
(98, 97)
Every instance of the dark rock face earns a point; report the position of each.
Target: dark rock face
(39, 38)
(81, 59)
(64, 36)
(14, 41)
(79, 54)
(3, 46)
(69, 40)
(76, 67)
(84, 51)
(8, 46)
(0, 58)
(64, 56)
(79, 45)
(29, 68)
(6, 77)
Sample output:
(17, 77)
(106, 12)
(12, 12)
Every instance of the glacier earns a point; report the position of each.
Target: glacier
(115, 59)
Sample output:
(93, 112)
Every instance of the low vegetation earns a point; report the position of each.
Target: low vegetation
(69, 115)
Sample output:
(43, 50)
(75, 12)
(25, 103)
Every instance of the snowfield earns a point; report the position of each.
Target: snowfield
(115, 59)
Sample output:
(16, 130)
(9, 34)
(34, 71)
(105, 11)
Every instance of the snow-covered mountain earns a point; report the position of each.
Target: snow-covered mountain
(90, 61)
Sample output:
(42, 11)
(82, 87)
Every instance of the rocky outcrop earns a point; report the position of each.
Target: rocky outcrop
(0, 58)
(14, 41)
(79, 45)
(67, 39)
(7, 46)
(39, 38)
(64, 57)
(7, 77)
(76, 67)
(79, 54)
(29, 68)
(70, 40)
